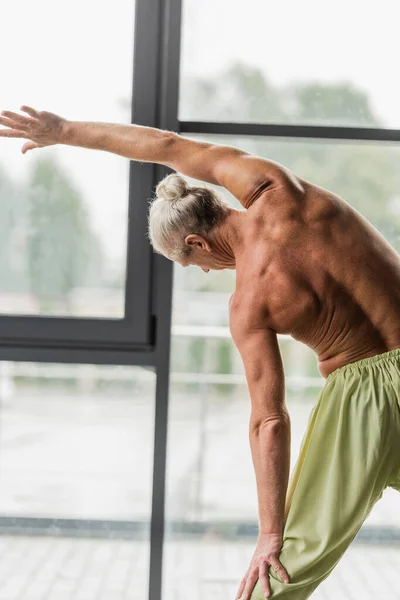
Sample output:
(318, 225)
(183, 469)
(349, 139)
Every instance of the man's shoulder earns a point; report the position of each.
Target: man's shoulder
(248, 310)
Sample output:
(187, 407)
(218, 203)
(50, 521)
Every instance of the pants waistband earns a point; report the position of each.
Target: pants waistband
(365, 362)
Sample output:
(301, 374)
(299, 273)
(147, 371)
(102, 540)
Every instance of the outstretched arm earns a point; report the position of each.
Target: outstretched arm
(144, 144)
(244, 175)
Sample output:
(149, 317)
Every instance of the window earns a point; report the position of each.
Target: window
(302, 63)
(76, 470)
(64, 210)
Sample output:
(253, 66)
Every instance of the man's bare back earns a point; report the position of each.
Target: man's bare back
(317, 270)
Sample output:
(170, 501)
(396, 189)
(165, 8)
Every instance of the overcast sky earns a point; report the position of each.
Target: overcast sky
(77, 62)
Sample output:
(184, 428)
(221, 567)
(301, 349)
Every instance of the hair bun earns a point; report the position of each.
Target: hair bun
(172, 188)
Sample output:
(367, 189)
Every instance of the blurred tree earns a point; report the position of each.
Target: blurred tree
(12, 235)
(241, 93)
(63, 251)
(195, 351)
(224, 364)
(341, 104)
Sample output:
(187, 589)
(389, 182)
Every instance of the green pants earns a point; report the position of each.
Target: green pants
(349, 454)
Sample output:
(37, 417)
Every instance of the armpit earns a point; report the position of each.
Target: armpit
(267, 184)
(283, 179)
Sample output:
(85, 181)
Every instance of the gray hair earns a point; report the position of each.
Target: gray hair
(179, 210)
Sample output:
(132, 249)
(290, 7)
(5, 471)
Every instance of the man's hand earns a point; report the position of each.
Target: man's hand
(41, 128)
(265, 555)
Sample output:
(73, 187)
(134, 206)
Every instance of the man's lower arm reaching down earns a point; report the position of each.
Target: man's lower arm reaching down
(270, 447)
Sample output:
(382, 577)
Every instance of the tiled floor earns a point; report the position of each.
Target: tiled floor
(44, 568)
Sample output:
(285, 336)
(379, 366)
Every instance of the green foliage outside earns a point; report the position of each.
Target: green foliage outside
(60, 243)
(12, 233)
(224, 351)
(48, 244)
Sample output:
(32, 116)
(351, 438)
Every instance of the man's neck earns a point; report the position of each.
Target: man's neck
(227, 239)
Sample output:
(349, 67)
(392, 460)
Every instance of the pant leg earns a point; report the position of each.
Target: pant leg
(346, 460)
(395, 484)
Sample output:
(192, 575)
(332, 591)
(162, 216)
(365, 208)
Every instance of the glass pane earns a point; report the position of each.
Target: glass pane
(212, 513)
(63, 210)
(76, 446)
(324, 65)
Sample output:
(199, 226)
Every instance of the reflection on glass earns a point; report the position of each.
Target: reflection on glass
(280, 63)
(76, 448)
(63, 210)
(212, 513)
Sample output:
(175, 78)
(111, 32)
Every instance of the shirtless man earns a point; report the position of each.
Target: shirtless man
(309, 265)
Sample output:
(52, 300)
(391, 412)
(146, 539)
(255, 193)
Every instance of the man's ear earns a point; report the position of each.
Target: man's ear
(197, 241)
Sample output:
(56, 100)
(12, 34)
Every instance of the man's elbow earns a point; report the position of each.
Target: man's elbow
(274, 424)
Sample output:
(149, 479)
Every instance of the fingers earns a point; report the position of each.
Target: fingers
(29, 146)
(12, 133)
(31, 111)
(12, 124)
(8, 122)
(279, 568)
(264, 579)
(241, 588)
(253, 574)
(20, 119)
(250, 583)
(18, 124)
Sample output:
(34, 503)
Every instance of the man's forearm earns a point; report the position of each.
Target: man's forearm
(145, 144)
(270, 447)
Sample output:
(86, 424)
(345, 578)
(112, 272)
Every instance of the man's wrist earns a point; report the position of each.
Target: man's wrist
(67, 130)
(85, 134)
